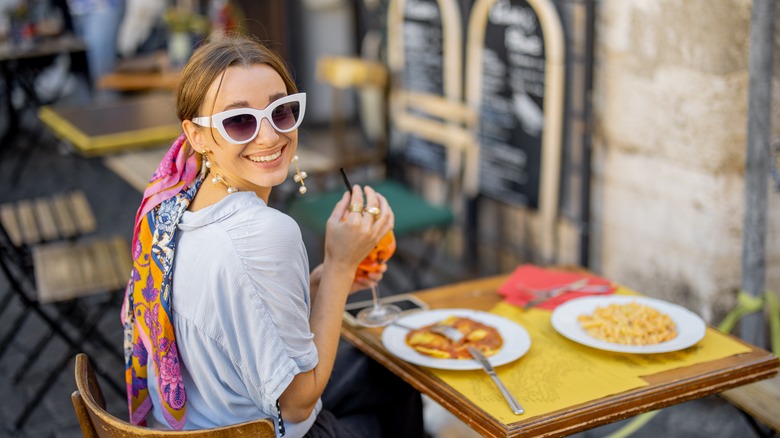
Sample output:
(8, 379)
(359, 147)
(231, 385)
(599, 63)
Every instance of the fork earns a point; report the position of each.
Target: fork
(577, 286)
(456, 336)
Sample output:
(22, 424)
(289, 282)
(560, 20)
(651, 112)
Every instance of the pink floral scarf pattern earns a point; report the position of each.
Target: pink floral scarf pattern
(146, 312)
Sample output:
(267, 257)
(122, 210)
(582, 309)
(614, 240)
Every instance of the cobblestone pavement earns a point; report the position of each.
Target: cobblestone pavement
(48, 170)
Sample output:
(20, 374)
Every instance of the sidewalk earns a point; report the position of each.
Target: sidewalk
(114, 201)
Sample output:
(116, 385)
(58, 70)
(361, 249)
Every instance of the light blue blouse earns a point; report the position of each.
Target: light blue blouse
(241, 313)
(81, 7)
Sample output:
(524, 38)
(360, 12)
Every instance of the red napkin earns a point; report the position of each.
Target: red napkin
(520, 287)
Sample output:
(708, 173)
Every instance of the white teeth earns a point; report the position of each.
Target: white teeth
(266, 158)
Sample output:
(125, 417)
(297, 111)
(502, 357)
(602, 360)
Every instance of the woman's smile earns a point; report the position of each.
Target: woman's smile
(265, 158)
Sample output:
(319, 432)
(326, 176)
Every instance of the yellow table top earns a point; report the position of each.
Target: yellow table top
(107, 127)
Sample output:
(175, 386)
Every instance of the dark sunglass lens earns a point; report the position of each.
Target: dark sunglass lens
(241, 127)
(286, 115)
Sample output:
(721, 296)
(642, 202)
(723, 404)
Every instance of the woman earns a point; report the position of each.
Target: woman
(234, 327)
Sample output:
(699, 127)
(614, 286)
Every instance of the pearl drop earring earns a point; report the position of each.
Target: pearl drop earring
(218, 179)
(205, 164)
(299, 176)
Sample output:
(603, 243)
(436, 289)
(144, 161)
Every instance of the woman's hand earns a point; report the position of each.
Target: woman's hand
(351, 235)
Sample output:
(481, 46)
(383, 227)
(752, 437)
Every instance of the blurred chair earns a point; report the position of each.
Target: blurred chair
(28, 222)
(44, 219)
(449, 123)
(95, 421)
(369, 78)
(65, 283)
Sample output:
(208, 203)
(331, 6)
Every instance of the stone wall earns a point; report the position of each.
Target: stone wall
(670, 105)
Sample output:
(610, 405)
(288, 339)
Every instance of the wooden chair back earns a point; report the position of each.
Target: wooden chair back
(95, 421)
(447, 122)
(346, 72)
(369, 78)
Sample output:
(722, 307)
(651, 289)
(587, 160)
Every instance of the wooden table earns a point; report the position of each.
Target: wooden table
(142, 73)
(20, 66)
(122, 124)
(164, 80)
(663, 389)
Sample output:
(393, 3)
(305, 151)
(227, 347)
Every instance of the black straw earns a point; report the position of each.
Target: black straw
(346, 180)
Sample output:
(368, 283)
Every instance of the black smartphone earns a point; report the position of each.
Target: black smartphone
(406, 302)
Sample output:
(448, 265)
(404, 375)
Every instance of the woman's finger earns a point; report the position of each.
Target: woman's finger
(356, 206)
(386, 219)
(372, 199)
(340, 209)
(387, 210)
(373, 209)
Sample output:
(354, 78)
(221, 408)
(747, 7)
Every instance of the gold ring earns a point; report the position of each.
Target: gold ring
(356, 208)
(374, 211)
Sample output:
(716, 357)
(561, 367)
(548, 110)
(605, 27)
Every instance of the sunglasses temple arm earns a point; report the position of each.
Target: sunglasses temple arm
(202, 121)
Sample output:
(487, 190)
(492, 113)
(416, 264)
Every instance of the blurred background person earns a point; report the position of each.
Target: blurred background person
(97, 22)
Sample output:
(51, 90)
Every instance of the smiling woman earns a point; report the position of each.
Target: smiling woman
(235, 327)
(245, 148)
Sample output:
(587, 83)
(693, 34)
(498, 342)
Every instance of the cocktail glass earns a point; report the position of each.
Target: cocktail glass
(380, 314)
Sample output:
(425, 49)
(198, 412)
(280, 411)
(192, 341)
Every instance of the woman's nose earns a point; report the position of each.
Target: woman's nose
(266, 133)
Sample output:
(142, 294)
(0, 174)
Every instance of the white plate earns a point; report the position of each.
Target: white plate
(690, 327)
(516, 339)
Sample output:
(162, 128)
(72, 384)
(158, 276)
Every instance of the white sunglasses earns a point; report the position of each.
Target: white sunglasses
(241, 125)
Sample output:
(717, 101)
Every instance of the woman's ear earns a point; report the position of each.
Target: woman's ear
(194, 135)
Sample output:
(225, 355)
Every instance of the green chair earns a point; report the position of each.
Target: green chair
(413, 214)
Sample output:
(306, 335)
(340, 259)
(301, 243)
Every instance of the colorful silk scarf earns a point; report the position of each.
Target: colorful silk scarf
(146, 312)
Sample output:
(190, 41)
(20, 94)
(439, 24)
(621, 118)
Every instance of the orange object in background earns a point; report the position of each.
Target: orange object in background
(377, 257)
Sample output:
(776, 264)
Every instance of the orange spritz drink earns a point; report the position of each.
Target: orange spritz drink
(380, 314)
(377, 257)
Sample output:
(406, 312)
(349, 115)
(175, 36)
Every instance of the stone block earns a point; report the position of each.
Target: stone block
(686, 117)
(668, 202)
(703, 35)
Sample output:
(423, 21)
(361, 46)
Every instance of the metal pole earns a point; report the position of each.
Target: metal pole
(757, 163)
(587, 136)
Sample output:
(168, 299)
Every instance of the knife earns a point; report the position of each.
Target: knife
(482, 360)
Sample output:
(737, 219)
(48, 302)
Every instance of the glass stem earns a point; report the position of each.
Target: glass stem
(375, 296)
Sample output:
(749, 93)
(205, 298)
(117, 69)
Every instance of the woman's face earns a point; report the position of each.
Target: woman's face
(264, 161)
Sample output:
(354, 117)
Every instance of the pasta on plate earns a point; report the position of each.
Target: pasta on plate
(629, 324)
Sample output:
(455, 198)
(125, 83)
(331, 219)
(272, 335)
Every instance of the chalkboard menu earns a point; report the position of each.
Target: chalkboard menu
(511, 114)
(423, 71)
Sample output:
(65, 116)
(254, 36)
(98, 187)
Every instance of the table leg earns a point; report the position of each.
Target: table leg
(12, 130)
(80, 66)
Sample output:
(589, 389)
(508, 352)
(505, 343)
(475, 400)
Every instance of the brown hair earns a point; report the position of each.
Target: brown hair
(211, 59)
